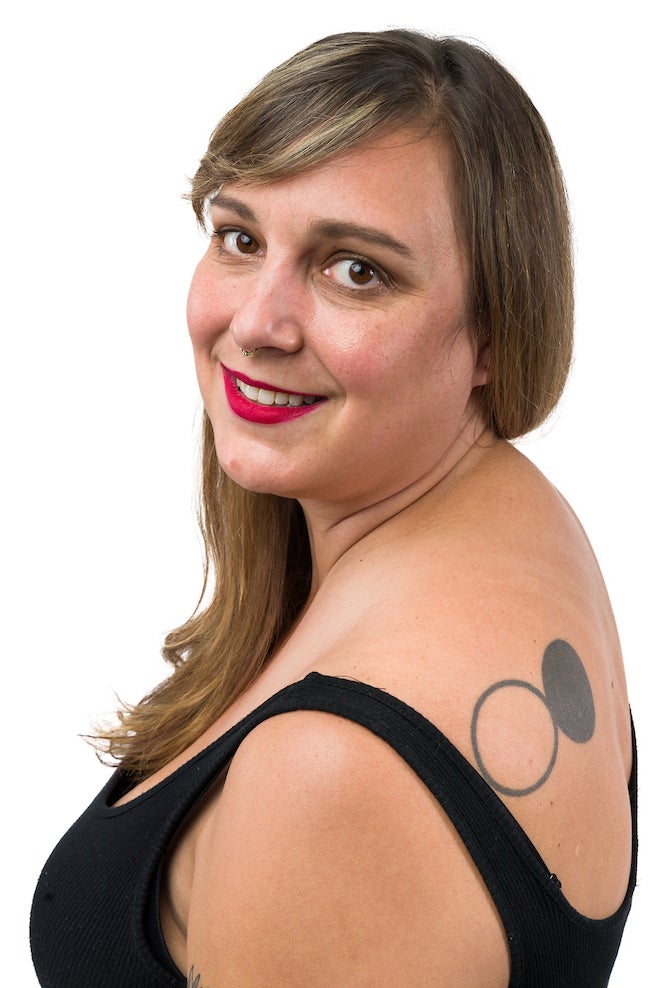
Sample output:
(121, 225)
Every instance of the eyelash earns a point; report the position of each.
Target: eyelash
(221, 233)
(384, 281)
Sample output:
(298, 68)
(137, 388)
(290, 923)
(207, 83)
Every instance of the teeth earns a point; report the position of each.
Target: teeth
(263, 396)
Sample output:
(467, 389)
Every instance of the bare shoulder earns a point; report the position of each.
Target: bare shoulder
(495, 624)
(326, 861)
(473, 591)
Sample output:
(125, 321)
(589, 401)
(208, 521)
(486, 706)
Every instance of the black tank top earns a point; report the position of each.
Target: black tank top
(94, 920)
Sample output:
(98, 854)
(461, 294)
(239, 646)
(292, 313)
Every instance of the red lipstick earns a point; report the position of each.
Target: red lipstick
(253, 411)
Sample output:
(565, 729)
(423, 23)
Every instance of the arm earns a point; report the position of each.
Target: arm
(325, 861)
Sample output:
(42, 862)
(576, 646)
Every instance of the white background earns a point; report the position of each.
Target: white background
(107, 109)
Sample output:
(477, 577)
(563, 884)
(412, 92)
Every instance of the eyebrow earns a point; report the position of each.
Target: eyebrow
(235, 205)
(328, 229)
(337, 229)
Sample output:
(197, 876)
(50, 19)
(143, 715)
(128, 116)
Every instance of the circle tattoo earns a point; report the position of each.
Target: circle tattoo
(568, 699)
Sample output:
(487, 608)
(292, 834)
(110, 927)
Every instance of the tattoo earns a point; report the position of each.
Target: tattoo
(194, 980)
(567, 698)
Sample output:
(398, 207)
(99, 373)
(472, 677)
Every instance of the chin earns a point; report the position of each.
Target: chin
(257, 478)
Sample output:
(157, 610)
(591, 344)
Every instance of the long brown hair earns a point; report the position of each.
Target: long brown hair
(512, 217)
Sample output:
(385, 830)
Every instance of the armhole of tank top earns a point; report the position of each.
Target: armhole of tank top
(153, 928)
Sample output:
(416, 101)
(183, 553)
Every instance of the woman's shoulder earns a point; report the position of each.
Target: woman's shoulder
(492, 619)
(325, 853)
(487, 615)
(475, 583)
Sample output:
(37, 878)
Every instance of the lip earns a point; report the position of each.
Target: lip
(263, 414)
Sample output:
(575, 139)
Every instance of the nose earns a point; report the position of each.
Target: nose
(270, 312)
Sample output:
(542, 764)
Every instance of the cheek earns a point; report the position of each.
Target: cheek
(404, 356)
(196, 310)
(202, 321)
(206, 315)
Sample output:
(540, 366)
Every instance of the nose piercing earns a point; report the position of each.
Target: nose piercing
(249, 353)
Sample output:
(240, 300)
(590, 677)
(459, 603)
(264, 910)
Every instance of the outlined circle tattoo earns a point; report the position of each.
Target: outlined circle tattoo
(507, 790)
(567, 697)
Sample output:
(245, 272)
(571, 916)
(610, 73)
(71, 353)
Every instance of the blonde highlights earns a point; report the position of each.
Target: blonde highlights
(511, 214)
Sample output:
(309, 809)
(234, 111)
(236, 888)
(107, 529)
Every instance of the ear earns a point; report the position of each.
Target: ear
(482, 373)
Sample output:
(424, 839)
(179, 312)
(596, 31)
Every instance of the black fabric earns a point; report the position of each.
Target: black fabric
(94, 916)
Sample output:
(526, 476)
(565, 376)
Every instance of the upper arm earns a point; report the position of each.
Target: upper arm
(326, 861)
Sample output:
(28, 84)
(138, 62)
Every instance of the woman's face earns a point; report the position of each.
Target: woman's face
(348, 282)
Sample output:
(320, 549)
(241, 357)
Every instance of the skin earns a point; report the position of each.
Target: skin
(360, 347)
(444, 564)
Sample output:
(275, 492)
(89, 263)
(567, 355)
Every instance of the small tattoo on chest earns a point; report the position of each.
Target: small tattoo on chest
(194, 980)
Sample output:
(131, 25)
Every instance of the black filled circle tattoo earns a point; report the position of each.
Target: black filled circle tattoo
(568, 694)
(567, 697)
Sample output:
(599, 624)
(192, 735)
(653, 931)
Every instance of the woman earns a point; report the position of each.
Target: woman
(396, 746)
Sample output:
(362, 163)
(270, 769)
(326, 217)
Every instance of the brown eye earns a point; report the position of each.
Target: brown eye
(360, 273)
(246, 244)
(237, 242)
(354, 273)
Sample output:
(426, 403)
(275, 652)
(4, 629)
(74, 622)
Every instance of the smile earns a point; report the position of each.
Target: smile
(256, 401)
(264, 396)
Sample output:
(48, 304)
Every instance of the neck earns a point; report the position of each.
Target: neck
(336, 532)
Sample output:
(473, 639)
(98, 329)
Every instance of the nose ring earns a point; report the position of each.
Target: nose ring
(249, 353)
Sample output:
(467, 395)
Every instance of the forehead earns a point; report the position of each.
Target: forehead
(400, 181)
